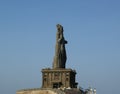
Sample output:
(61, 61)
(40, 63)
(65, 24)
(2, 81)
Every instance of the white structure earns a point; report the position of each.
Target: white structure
(90, 91)
(94, 91)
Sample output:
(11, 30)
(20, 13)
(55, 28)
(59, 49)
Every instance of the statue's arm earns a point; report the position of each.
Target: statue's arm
(65, 41)
(60, 38)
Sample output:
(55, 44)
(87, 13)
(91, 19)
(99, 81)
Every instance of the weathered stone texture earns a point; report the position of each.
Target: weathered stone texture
(58, 78)
(35, 92)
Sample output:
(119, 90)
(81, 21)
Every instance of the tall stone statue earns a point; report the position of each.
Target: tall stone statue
(60, 52)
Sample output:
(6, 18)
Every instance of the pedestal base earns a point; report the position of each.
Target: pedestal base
(56, 78)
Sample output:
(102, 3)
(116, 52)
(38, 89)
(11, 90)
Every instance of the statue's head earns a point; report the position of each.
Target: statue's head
(59, 27)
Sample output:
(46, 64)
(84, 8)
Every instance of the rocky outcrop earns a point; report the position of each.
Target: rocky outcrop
(49, 91)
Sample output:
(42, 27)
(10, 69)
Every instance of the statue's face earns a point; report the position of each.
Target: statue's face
(60, 28)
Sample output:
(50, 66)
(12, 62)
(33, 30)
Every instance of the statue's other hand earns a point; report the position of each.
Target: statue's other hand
(66, 42)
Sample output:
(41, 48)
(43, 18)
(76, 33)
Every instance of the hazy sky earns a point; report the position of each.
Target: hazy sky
(27, 41)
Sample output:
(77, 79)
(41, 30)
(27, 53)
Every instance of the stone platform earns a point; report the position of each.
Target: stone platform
(35, 91)
(49, 91)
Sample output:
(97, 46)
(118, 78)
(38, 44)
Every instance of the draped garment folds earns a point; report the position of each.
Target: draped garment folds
(60, 51)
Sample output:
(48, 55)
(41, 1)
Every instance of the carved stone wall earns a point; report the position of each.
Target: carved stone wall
(56, 78)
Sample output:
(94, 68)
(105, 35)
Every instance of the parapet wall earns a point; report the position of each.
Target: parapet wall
(49, 91)
(35, 91)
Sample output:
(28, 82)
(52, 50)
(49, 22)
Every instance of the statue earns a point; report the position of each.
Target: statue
(60, 52)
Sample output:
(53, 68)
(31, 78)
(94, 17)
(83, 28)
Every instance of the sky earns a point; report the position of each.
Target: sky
(27, 42)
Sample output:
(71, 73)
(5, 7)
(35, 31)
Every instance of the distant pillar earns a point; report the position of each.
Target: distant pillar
(94, 91)
(90, 92)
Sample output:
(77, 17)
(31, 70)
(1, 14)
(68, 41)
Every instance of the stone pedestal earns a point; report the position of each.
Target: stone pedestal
(56, 78)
